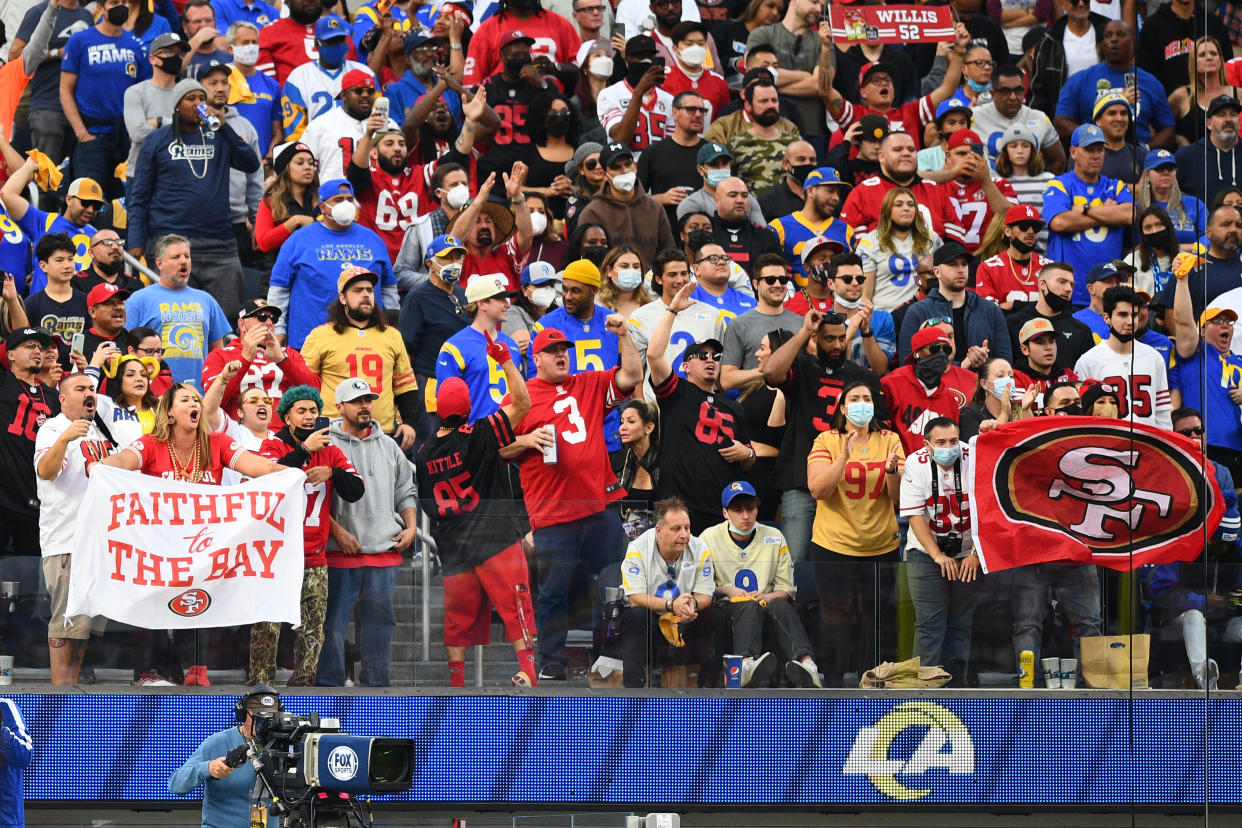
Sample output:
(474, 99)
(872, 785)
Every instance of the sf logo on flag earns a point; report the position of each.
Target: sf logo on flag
(872, 751)
(1103, 479)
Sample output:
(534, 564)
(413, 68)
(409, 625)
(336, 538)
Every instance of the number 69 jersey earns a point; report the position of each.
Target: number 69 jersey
(581, 481)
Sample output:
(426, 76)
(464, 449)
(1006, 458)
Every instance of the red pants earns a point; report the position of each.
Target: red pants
(501, 582)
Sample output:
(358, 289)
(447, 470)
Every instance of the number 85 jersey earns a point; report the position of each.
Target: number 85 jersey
(581, 482)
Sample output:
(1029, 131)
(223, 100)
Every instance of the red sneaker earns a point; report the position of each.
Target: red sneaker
(196, 676)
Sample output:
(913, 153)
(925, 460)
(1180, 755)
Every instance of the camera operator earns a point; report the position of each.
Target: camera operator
(220, 766)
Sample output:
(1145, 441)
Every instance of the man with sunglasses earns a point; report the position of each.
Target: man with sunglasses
(706, 441)
(83, 203)
(1010, 277)
(107, 267)
(1007, 110)
(1206, 375)
(333, 135)
(871, 337)
(265, 363)
(740, 366)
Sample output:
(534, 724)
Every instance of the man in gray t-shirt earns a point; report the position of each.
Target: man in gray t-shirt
(795, 39)
(149, 104)
(742, 338)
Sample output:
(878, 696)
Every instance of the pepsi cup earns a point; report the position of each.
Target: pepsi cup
(733, 671)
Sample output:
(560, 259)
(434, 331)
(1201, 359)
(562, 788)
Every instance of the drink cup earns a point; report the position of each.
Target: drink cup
(1069, 673)
(6, 669)
(733, 671)
(1052, 672)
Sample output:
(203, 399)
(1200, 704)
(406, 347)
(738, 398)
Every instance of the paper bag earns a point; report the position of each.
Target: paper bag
(1118, 662)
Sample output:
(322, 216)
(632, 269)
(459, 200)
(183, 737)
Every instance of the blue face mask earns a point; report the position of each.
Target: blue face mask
(714, 177)
(859, 413)
(978, 87)
(333, 54)
(947, 455)
(999, 386)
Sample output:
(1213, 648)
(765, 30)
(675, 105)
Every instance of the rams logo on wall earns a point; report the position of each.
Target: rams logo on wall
(871, 753)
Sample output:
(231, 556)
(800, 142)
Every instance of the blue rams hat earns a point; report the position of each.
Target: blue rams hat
(954, 104)
(330, 28)
(1159, 158)
(823, 175)
(1087, 135)
(334, 187)
(538, 273)
(1104, 270)
(735, 489)
(444, 244)
(416, 38)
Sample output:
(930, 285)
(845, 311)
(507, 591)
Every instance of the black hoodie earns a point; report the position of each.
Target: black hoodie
(1165, 41)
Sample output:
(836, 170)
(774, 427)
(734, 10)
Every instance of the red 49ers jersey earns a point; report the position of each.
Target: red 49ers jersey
(581, 482)
(655, 119)
(1001, 279)
(392, 202)
(912, 407)
(555, 38)
(318, 495)
(973, 210)
(861, 209)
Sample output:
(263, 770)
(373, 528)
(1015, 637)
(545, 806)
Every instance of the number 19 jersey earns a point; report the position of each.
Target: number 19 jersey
(581, 482)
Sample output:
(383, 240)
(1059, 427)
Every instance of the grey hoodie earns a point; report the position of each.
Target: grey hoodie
(375, 519)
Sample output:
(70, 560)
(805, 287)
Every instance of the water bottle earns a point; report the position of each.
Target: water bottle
(213, 122)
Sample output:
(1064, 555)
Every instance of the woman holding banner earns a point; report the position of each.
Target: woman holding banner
(854, 474)
(180, 447)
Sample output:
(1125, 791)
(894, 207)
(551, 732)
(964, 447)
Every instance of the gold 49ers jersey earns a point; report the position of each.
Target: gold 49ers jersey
(762, 565)
(378, 356)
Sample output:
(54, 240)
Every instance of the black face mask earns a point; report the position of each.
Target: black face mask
(558, 124)
(634, 72)
(595, 253)
(767, 119)
(301, 434)
(1021, 246)
(1073, 409)
(304, 16)
(818, 274)
(799, 172)
(1120, 337)
(1057, 304)
(930, 369)
(117, 15)
(515, 65)
(698, 238)
(1154, 239)
(171, 65)
(904, 228)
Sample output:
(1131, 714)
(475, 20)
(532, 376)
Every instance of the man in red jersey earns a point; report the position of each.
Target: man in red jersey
(975, 194)
(300, 445)
(899, 163)
(264, 363)
(1012, 275)
(290, 41)
(569, 489)
(929, 385)
(495, 230)
(552, 37)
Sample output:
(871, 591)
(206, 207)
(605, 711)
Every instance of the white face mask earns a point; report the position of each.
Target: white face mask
(247, 55)
(456, 196)
(625, 182)
(543, 296)
(450, 273)
(344, 212)
(538, 223)
(601, 67)
(694, 55)
(628, 278)
(846, 303)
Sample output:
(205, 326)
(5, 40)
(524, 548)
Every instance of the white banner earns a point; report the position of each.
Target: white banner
(164, 554)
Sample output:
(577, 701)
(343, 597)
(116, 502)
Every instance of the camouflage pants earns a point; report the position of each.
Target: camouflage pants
(308, 643)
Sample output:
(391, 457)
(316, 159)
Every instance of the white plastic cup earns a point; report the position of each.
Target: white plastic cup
(1052, 673)
(6, 669)
(1069, 673)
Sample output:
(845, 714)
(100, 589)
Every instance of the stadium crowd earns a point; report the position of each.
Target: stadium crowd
(677, 297)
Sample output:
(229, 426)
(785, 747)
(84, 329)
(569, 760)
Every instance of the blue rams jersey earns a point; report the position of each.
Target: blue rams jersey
(793, 231)
(16, 256)
(1086, 248)
(366, 19)
(464, 355)
(594, 349)
(729, 305)
(1190, 222)
(1205, 380)
(106, 67)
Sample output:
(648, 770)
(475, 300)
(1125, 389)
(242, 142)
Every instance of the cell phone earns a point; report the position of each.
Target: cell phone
(618, 29)
(321, 423)
(77, 343)
(977, 149)
(658, 60)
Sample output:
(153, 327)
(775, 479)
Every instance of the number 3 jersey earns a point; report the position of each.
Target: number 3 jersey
(464, 485)
(581, 481)
(1140, 380)
(947, 511)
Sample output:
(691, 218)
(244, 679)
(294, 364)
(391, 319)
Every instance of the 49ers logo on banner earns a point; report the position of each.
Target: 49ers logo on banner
(1090, 490)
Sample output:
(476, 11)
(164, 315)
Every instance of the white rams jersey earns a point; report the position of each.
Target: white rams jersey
(763, 565)
(645, 572)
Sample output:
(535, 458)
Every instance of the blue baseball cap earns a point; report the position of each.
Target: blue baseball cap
(1087, 135)
(538, 273)
(734, 489)
(444, 244)
(954, 104)
(416, 38)
(1104, 270)
(330, 28)
(334, 187)
(1159, 158)
(823, 175)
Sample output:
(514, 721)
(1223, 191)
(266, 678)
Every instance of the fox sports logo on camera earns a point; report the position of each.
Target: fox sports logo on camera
(343, 763)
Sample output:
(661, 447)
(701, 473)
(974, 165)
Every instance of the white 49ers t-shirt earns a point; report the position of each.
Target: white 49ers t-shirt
(1140, 380)
(61, 498)
(655, 120)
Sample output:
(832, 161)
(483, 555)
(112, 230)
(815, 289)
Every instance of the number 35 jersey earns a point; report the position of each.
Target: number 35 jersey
(581, 482)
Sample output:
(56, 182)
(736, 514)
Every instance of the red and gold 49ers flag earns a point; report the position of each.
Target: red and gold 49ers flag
(1090, 490)
(852, 25)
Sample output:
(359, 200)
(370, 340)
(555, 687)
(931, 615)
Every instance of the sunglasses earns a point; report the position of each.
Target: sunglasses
(1008, 90)
(1028, 226)
(714, 356)
(774, 280)
(694, 110)
(107, 243)
(850, 278)
(936, 320)
(257, 400)
(1197, 431)
(591, 163)
(937, 348)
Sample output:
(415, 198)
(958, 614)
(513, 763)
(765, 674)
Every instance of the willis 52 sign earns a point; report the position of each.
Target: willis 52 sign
(890, 24)
(1090, 490)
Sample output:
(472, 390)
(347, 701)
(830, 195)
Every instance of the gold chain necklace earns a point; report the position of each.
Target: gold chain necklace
(193, 473)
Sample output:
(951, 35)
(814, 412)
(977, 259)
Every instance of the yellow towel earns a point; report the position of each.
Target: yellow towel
(669, 625)
(48, 177)
(239, 90)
